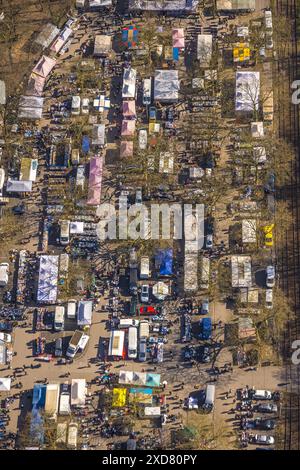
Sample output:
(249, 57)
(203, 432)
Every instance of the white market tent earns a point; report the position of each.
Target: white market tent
(204, 49)
(78, 392)
(162, 5)
(100, 3)
(249, 231)
(5, 384)
(241, 274)
(30, 107)
(160, 290)
(236, 5)
(166, 162)
(129, 83)
(98, 134)
(84, 313)
(76, 227)
(103, 44)
(47, 35)
(247, 91)
(62, 39)
(16, 186)
(190, 282)
(2, 92)
(166, 86)
(257, 129)
(47, 283)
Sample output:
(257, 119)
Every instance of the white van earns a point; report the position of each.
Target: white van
(210, 397)
(262, 395)
(270, 276)
(71, 308)
(128, 322)
(143, 350)
(64, 232)
(59, 318)
(269, 298)
(147, 85)
(268, 20)
(85, 106)
(75, 108)
(132, 342)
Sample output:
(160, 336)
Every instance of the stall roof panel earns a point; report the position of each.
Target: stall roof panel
(166, 85)
(163, 5)
(47, 35)
(103, 44)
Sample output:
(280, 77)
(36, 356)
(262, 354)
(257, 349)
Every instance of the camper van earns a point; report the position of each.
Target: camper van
(64, 232)
(71, 308)
(75, 108)
(59, 318)
(147, 92)
(209, 397)
(116, 344)
(132, 342)
(144, 267)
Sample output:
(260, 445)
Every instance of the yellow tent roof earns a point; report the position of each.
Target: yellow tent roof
(119, 397)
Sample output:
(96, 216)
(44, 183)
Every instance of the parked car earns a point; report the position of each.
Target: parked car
(138, 196)
(266, 408)
(58, 348)
(261, 395)
(264, 424)
(148, 310)
(270, 282)
(209, 241)
(6, 337)
(204, 310)
(263, 439)
(152, 114)
(145, 293)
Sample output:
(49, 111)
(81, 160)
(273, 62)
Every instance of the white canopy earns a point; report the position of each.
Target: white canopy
(47, 283)
(84, 313)
(129, 79)
(78, 392)
(166, 85)
(5, 383)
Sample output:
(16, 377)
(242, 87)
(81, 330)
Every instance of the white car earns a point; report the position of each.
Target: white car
(6, 337)
(209, 241)
(143, 139)
(264, 439)
(262, 395)
(270, 276)
(145, 293)
(138, 196)
(269, 298)
(85, 106)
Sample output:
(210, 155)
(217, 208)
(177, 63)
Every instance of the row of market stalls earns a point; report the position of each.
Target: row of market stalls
(129, 112)
(53, 400)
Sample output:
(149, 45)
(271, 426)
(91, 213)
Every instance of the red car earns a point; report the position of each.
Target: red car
(148, 311)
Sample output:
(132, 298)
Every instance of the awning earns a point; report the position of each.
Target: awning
(61, 40)
(178, 38)
(15, 186)
(126, 149)
(129, 109)
(78, 392)
(95, 181)
(44, 66)
(5, 383)
(119, 397)
(35, 85)
(85, 311)
(128, 128)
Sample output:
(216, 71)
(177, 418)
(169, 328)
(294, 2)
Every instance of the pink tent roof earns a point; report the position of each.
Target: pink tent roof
(95, 181)
(128, 127)
(129, 109)
(61, 40)
(44, 66)
(35, 85)
(126, 149)
(178, 38)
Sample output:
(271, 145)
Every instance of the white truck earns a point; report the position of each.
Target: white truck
(144, 267)
(78, 341)
(144, 329)
(72, 436)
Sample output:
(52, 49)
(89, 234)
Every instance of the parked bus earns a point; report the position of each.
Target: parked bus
(116, 344)
(132, 342)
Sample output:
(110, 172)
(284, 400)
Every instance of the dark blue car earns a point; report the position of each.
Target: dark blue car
(205, 328)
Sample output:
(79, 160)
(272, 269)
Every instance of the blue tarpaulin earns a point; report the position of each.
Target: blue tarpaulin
(130, 36)
(175, 53)
(37, 422)
(85, 144)
(164, 259)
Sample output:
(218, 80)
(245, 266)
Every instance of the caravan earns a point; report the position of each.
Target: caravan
(132, 342)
